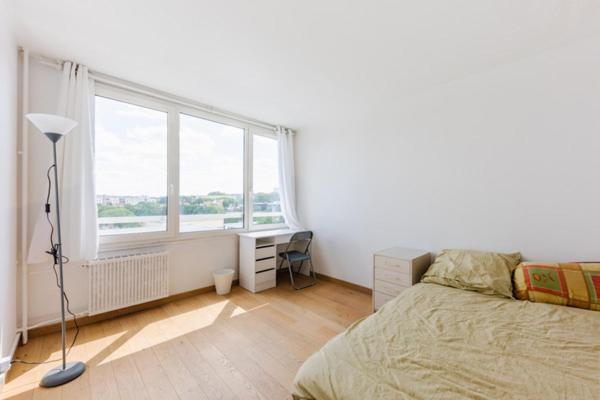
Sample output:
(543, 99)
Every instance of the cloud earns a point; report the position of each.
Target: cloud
(129, 110)
(231, 131)
(194, 144)
(131, 154)
(131, 163)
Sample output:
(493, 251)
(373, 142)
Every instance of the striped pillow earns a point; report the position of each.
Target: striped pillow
(570, 284)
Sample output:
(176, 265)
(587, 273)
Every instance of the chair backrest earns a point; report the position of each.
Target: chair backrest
(303, 236)
(299, 236)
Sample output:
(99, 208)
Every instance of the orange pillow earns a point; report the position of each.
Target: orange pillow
(570, 284)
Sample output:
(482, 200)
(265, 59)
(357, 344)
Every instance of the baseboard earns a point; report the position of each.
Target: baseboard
(87, 320)
(11, 357)
(351, 285)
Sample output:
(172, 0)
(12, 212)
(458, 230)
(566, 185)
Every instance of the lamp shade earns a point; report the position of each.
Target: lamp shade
(49, 123)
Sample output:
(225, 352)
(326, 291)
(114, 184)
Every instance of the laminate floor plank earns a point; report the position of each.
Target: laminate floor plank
(234, 347)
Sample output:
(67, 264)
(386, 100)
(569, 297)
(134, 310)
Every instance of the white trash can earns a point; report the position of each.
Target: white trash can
(223, 279)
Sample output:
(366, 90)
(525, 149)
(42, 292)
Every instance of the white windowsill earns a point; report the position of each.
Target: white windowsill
(138, 243)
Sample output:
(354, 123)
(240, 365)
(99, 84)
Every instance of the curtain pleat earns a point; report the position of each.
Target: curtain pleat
(77, 188)
(287, 188)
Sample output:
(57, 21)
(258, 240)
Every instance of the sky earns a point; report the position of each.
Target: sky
(131, 153)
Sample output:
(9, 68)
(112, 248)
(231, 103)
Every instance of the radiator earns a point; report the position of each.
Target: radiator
(123, 281)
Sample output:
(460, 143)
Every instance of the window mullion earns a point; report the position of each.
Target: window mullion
(248, 178)
(173, 172)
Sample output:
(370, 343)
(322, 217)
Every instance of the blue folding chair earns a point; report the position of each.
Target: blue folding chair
(299, 240)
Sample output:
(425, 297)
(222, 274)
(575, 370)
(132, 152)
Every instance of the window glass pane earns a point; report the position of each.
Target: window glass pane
(211, 175)
(266, 208)
(131, 168)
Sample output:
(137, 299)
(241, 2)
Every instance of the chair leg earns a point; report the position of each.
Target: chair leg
(300, 267)
(311, 273)
(289, 266)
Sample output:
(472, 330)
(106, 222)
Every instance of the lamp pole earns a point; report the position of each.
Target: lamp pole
(63, 324)
(55, 127)
(67, 371)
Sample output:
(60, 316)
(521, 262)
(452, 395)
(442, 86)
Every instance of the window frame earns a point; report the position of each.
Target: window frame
(129, 97)
(220, 120)
(173, 110)
(262, 227)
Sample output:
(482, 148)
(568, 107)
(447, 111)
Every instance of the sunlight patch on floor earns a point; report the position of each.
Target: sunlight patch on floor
(161, 331)
(117, 342)
(198, 318)
(237, 311)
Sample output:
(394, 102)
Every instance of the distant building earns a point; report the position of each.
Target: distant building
(132, 200)
(267, 206)
(111, 200)
(108, 200)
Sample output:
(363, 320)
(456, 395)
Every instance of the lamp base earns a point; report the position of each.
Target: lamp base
(58, 376)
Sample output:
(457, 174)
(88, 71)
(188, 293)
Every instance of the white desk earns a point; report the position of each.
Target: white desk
(258, 258)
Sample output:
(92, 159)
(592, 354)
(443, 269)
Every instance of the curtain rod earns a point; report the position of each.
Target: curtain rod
(148, 91)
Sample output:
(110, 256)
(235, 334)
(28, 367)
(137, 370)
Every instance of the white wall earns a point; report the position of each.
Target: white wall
(503, 160)
(8, 179)
(192, 261)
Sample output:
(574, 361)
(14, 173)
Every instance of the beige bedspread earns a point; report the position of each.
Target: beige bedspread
(435, 342)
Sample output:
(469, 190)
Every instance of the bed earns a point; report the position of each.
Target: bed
(436, 342)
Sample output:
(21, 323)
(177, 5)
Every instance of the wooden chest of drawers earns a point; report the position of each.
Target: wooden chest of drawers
(394, 270)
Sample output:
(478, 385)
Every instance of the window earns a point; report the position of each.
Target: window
(131, 168)
(265, 196)
(165, 171)
(211, 175)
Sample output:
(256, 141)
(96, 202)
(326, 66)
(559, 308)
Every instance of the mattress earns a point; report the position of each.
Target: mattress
(435, 342)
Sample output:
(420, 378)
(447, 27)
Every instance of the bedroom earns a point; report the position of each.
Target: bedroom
(218, 127)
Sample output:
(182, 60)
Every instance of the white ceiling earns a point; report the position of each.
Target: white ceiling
(298, 63)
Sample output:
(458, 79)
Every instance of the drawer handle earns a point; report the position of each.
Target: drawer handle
(265, 270)
(265, 246)
(266, 258)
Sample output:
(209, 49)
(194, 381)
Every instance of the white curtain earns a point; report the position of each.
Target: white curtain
(76, 172)
(287, 186)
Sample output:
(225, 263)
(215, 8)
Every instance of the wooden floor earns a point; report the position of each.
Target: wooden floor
(240, 346)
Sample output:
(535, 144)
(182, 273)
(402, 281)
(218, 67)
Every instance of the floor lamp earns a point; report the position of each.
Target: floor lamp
(55, 127)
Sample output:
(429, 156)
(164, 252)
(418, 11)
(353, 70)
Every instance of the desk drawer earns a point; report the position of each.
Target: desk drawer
(388, 288)
(387, 262)
(395, 276)
(259, 287)
(264, 252)
(262, 265)
(264, 280)
(283, 238)
(265, 276)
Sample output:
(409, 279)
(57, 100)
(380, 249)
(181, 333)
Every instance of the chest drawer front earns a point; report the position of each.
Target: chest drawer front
(265, 264)
(379, 299)
(395, 276)
(395, 263)
(264, 252)
(388, 288)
